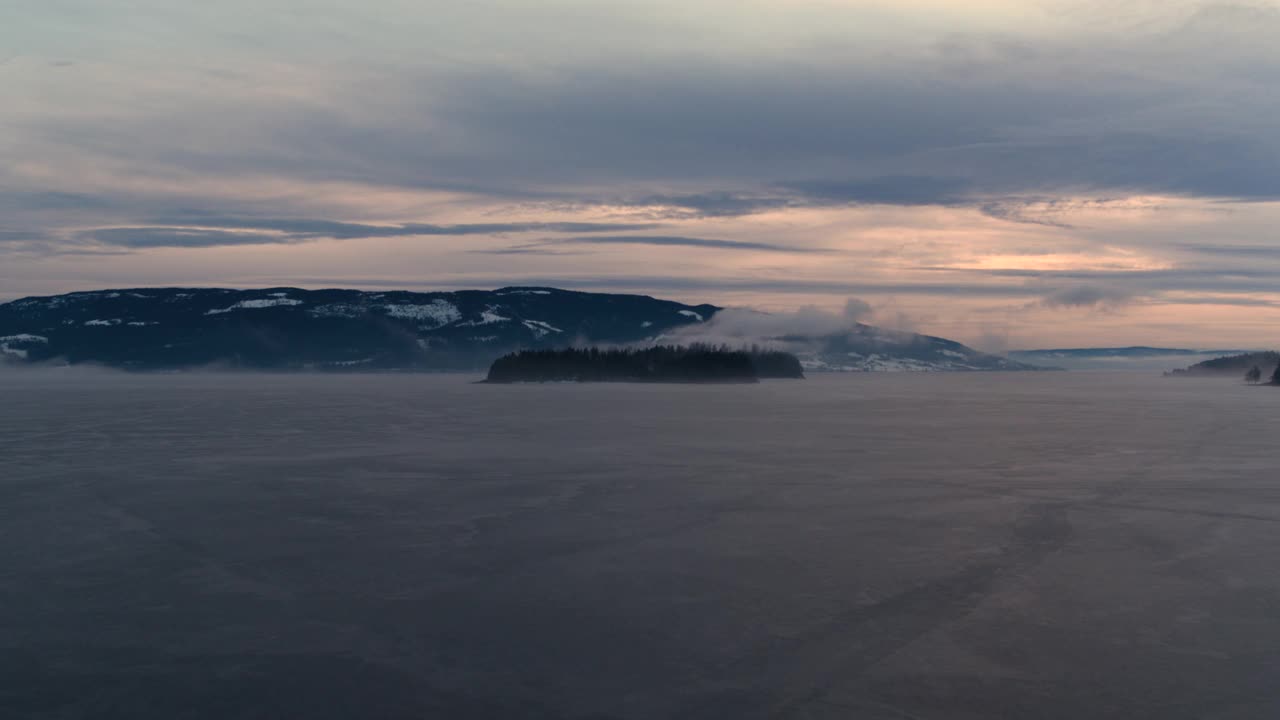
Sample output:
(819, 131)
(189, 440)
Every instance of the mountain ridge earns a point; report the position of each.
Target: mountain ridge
(1129, 358)
(1127, 351)
(868, 348)
(329, 329)
(337, 329)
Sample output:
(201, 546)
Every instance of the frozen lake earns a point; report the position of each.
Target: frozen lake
(850, 546)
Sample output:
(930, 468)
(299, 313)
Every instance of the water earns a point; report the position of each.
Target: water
(870, 546)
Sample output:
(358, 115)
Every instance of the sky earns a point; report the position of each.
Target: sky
(1038, 173)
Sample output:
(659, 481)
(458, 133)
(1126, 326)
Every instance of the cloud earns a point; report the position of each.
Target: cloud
(713, 204)
(525, 250)
(49, 200)
(16, 236)
(1257, 279)
(737, 326)
(887, 190)
(1090, 296)
(1017, 211)
(344, 230)
(680, 241)
(855, 310)
(210, 232)
(992, 340)
(1233, 300)
(1247, 251)
(1014, 115)
(153, 237)
(793, 330)
(950, 118)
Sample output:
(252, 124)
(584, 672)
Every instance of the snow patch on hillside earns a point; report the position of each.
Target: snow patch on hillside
(349, 363)
(7, 343)
(540, 328)
(488, 317)
(48, 303)
(345, 310)
(256, 305)
(438, 313)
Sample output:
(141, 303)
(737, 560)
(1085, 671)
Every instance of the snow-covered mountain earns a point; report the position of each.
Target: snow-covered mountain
(289, 328)
(293, 329)
(865, 348)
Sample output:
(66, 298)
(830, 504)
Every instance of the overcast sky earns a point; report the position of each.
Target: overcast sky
(1007, 173)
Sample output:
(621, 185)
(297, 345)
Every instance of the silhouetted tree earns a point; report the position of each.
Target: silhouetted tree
(1254, 375)
(1275, 376)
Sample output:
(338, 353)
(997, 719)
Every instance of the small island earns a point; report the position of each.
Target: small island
(666, 363)
(1264, 362)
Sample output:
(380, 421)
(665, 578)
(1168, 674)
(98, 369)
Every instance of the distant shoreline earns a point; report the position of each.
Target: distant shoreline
(633, 381)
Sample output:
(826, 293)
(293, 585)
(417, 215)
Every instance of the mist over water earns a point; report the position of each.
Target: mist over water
(981, 545)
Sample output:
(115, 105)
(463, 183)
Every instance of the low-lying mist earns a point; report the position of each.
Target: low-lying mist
(745, 326)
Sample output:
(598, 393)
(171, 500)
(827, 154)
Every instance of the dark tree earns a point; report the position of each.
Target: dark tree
(1275, 376)
(1254, 375)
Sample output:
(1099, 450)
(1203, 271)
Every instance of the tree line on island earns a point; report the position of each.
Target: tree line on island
(1256, 362)
(663, 363)
(1262, 367)
(1254, 376)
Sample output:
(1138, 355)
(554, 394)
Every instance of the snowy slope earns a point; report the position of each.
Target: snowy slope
(865, 348)
(289, 328)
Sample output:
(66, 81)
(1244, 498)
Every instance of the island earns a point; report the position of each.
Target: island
(664, 363)
(1232, 366)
